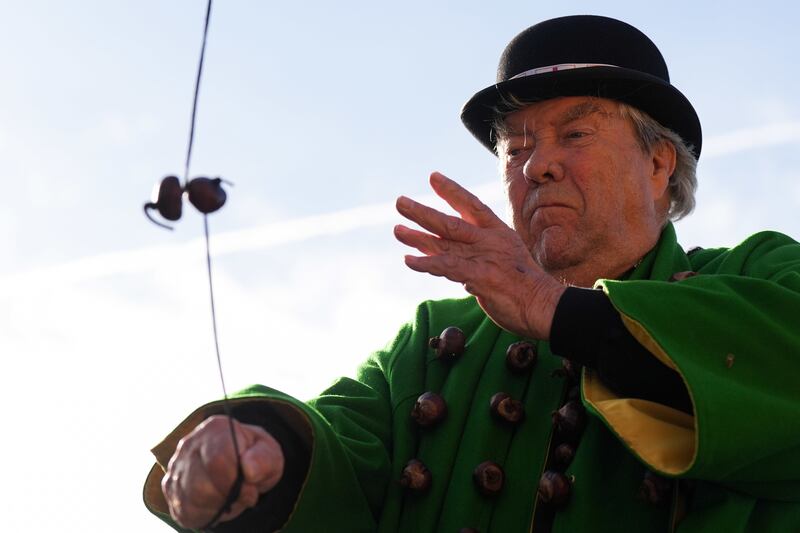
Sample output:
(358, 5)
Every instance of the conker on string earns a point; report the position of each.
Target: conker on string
(429, 409)
(563, 455)
(554, 487)
(449, 345)
(655, 489)
(416, 476)
(506, 409)
(206, 194)
(521, 357)
(168, 200)
(569, 421)
(489, 478)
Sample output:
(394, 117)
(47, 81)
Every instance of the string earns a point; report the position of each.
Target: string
(235, 489)
(196, 92)
(233, 494)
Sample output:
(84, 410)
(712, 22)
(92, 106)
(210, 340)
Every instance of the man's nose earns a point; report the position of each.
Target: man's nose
(543, 164)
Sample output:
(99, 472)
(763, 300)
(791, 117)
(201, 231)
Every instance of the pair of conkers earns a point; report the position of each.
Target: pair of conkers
(449, 345)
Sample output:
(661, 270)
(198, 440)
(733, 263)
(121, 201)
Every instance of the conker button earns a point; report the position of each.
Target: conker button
(449, 345)
(506, 409)
(563, 454)
(520, 357)
(569, 421)
(489, 478)
(429, 409)
(416, 476)
(554, 488)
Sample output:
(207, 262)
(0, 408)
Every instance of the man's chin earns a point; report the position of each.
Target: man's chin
(554, 251)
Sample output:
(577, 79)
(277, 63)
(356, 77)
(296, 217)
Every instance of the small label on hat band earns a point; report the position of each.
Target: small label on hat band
(557, 68)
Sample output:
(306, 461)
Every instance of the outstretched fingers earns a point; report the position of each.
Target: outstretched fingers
(447, 266)
(445, 226)
(424, 242)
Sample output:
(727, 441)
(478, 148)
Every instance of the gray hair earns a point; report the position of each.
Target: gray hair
(682, 183)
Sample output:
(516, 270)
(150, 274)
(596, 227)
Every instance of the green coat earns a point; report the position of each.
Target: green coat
(732, 332)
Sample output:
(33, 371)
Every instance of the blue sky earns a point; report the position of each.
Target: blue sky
(321, 114)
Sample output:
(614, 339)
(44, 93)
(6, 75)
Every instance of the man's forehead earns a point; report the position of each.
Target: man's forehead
(559, 111)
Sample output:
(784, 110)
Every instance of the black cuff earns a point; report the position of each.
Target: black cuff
(585, 326)
(588, 330)
(274, 507)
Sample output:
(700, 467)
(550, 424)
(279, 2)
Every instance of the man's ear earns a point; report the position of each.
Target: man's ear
(664, 160)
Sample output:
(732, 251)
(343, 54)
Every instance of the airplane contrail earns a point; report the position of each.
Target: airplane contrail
(751, 138)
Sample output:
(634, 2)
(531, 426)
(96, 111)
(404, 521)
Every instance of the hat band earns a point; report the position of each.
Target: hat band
(557, 68)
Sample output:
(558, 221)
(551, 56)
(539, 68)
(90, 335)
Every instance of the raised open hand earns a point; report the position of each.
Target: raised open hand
(481, 252)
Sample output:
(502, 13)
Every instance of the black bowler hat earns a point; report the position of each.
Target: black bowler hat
(584, 55)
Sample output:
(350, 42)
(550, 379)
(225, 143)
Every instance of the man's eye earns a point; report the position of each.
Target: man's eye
(517, 151)
(577, 134)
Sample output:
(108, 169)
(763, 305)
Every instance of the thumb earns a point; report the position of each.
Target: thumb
(263, 462)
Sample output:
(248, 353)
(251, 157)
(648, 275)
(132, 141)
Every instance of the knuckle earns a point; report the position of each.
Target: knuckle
(215, 422)
(185, 442)
(453, 225)
(167, 485)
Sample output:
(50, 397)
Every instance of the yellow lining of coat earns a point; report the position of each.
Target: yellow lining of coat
(153, 496)
(663, 437)
(644, 338)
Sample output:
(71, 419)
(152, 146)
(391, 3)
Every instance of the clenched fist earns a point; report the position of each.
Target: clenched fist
(203, 470)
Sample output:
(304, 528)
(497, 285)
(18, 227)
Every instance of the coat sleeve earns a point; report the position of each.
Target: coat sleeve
(348, 434)
(733, 334)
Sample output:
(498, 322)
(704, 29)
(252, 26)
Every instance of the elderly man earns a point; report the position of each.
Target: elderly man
(685, 415)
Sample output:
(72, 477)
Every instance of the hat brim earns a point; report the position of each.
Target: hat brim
(648, 93)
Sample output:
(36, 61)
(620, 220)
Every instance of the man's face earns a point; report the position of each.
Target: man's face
(580, 188)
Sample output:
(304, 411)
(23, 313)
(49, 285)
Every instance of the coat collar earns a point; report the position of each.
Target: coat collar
(666, 258)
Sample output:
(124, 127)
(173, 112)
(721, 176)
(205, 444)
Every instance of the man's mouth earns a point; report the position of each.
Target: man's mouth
(549, 205)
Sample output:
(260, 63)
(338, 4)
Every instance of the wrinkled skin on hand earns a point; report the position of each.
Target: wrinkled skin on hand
(203, 469)
(484, 254)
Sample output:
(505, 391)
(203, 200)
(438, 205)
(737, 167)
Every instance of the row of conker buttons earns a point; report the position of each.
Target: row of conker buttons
(430, 409)
(569, 422)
